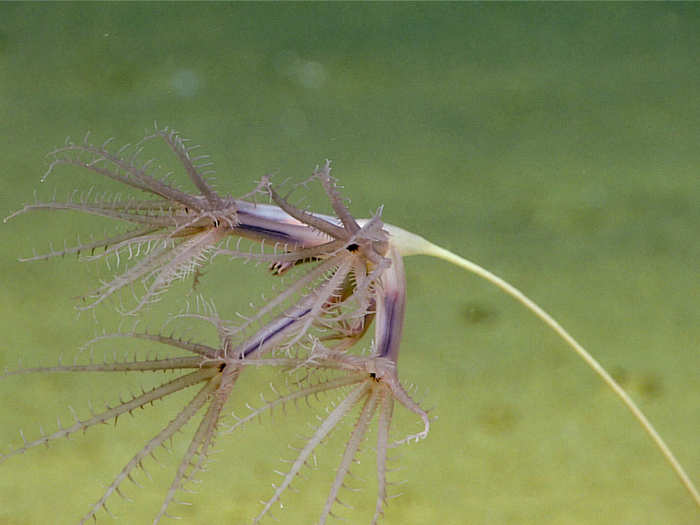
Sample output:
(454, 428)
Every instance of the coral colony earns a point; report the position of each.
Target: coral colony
(350, 275)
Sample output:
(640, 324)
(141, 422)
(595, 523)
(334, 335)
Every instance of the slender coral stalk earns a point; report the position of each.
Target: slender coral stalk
(412, 244)
(355, 277)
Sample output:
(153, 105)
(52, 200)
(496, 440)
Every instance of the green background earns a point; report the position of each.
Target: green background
(557, 145)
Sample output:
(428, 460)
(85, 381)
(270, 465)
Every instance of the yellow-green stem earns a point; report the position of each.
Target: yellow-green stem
(412, 244)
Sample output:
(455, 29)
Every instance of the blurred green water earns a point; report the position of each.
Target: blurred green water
(555, 144)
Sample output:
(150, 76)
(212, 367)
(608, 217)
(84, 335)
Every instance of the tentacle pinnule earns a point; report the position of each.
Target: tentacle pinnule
(298, 286)
(119, 167)
(358, 434)
(136, 365)
(282, 261)
(177, 144)
(110, 245)
(385, 414)
(301, 393)
(306, 217)
(329, 185)
(129, 211)
(112, 413)
(169, 261)
(400, 395)
(198, 450)
(335, 417)
(177, 423)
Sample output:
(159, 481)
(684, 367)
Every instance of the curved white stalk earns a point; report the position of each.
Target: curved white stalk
(409, 243)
